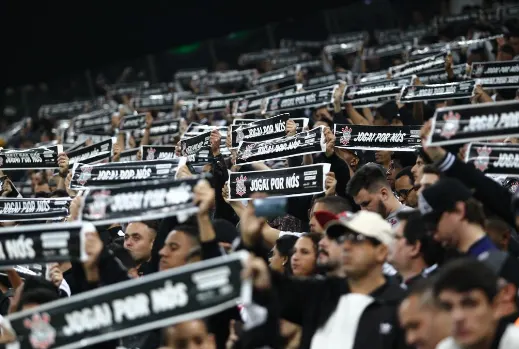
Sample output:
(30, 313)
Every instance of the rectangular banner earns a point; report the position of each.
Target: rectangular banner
(301, 100)
(326, 79)
(389, 50)
(129, 155)
(287, 182)
(474, 122)
(210, 104)
(308, 142)
(140, 201)
(191, 146)
(260, 130)
(155, 301)
(91, 154)
(160, 129)
(439, 76)
(374, 90)
(30, 159)
(229, 78)
(438, 92)
(388, 138)
(64, 110)
(32, 209)
(161, 152)
(501, 159)
(133, 122)
(116, 173)
(497, 75)
(163, 101)
(415, 67)
(275, 77)
(94, 120)
(43, 243)
(253, 104)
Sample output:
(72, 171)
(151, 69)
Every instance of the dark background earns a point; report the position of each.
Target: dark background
(55, 51)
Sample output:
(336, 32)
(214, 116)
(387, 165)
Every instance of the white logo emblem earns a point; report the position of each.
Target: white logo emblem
(151, 154)
(97, 209)
(481, 162)
(451, 125)
(86, 174)
(247, 152)
(479, 70)
(275, 104)
(243, 106)
(239, 135)
(385, 328)
(241, 189)
(346, 135)
(42, 333)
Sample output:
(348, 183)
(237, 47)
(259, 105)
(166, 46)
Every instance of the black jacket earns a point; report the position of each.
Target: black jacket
(311, 302)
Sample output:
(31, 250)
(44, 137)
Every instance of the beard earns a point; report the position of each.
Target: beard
(381, 209)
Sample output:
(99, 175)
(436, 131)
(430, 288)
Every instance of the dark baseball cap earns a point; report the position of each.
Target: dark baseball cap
(440, 197)
(503, 265)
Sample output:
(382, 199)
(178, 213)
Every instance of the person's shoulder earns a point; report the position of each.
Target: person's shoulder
(510, 338)
(447, 343)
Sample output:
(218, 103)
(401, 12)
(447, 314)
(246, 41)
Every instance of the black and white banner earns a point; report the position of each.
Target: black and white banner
(83, 137)
(287, 182)
(94, 120)
(140, 201)
(374, 90)
(389, 138)
(30, 159)
(439, 76)
(420, 65)
(253, 104)
(453, 90)
(105, 175)
(386, 50)
(154, 301)
(160, 129)
(260, 130)
(129, 155)
(43, 243)
(275, 77)
(302, 100)
(91, 154)
(209, 104)
(494, 158)
(474, 122)
(32, 209)
(161, 152)
(309, 142)
(191, 146)
(163, 101)
(64, 109)
(133, 122)
(326, 79)
(232, 78)
(497, 75)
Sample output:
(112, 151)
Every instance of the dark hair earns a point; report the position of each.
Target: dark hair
(42, 194)
(59, 193)
(508, 49)
(191, 231)
(37, 296)
(314, 237)
(416, 231)
(474, 212)
(285, 244)
(152, 224)
(406, 172)
(334, 204)
(466, 274)
(431, 169)
(370, 177)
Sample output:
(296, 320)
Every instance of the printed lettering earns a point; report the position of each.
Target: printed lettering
(88, 319)
(20, 248)
(169, 297)
(507, 160)
(259, 185)
(131, 307)
(292, 181)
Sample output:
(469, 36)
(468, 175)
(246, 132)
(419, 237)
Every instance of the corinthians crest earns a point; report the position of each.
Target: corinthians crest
(243, 105)
(478, 71)
(239, 135)
(42, 334)
(241, 189)
(247, 152)
(346, 135)
(274, 104)
(85, 175)
(97, 209)
(481, 162)
(451, 125)
(151, 154)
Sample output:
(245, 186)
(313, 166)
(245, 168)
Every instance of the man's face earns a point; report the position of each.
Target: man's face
(471, 316)
(372, 202)
(424, 325)
(330, 254)
(315, 227)
(360, 257)
(406, 192)
(400, 252)
(391, 173)
(176, 250)
(446, 229)
(189, 335)
(382, 157)
(417, 169)
(427, 180)
(138, 240)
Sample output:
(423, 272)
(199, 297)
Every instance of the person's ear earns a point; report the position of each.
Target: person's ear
(415, 249)
(381, 253)
(285, 260)
(384, 192)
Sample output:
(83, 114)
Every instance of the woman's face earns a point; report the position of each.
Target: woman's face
(277, 261)
(304, 258)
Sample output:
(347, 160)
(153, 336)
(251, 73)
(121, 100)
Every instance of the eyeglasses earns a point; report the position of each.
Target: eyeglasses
(357, 239)
(404, 193)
